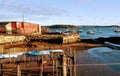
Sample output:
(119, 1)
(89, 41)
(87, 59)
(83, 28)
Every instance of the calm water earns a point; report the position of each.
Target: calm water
(99, 31)
(106, 55)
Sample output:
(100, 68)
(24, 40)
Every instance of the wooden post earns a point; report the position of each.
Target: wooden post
(64, 66)
(1, 67)
(53, 67)
(56, 68)
(18, 70)
(68, 63)
(25, 60)
(41, 70)
(71, 67)
(61, 65)
(53, 63)
(60, 68)
(38, 62)
(74, 63)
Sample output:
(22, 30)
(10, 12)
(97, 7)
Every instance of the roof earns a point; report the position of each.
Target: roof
(6, 22)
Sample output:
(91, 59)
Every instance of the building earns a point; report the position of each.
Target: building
(24, 28)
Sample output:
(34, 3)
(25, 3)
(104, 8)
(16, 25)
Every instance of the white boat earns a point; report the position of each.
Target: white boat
(117, 31)
(80, 31)
(90, 32)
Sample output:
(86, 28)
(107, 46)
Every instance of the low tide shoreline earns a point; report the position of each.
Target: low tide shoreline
(101, 40)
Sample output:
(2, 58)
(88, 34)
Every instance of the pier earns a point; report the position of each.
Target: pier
(48, 64)
(112, 45)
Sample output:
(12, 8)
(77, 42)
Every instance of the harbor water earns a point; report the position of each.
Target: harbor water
(99, 31)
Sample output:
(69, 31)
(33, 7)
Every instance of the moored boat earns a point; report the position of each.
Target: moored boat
(117, 31)
(80, 31)
(90, 32)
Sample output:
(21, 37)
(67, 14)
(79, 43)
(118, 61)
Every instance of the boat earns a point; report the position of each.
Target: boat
(80, 31)
(117, 31)
(90, 32)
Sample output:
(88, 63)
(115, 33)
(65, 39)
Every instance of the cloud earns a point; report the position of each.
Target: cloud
(6, 3)
(32, 11)
(32, 8)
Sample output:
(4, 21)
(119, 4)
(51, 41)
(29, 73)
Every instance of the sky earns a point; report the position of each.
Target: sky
(49, 12)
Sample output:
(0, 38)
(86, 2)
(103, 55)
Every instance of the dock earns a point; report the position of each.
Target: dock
(112, 45)
(48, 64)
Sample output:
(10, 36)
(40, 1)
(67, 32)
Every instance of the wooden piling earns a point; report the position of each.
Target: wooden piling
(41, 67)
(1, 67)
(53, 63)
(56, 68)
(38, 63)
(74, 63)
(18, 70)
(60, 68)
(70, 67)
(64, 65)
(25, 58)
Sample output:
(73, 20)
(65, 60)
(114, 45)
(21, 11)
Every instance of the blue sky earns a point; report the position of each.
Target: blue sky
(48, 12)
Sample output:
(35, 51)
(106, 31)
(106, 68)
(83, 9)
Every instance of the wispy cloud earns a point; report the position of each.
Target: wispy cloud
(36, 11)
(31, 8)
(5, 3)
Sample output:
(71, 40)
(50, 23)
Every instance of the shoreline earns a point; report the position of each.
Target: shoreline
(101, 40)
